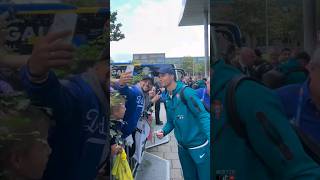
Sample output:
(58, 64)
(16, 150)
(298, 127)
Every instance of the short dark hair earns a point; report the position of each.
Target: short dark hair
(285, 49)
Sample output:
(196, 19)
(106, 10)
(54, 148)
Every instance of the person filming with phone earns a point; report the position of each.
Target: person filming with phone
(80, 137)
(138, 99)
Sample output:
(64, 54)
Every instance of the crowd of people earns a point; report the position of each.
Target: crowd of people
(194, 82)
(71, 128)
(266, 114)
(185, 107)
(275, 68)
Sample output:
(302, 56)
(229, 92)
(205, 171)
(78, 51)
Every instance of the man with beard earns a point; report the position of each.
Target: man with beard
(138, 100)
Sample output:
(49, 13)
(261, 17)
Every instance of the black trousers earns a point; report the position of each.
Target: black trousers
(157, 112)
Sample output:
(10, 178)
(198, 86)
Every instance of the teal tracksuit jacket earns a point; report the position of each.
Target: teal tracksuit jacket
(265, 160)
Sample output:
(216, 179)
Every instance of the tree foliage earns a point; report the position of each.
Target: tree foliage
(284, 19)
(115, 32)
(199, 68)
(187, 64)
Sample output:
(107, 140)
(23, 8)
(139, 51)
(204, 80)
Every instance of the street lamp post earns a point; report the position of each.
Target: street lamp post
(309, 24)
(192, 66)
(206, 43)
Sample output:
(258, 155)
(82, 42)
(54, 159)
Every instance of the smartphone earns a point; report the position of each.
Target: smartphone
(130, 68)
(158, 91)
(64, 22)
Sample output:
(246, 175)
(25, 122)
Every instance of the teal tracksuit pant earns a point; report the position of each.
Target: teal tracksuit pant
(195, 162)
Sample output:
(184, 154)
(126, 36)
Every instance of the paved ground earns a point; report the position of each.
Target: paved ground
(160, 162)
(168, 151)
(153, 167)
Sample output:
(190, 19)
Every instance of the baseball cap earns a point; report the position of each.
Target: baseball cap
(166, 70)
(148, 77)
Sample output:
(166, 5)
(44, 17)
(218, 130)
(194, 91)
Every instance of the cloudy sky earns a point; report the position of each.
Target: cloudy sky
(151, 26)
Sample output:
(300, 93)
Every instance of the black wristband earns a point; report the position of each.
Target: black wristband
(34, 75)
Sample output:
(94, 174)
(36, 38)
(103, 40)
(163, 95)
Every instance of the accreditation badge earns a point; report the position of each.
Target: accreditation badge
(217, 109)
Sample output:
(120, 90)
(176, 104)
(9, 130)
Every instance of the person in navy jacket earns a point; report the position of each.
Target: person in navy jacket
(80, 137)
(302, 101)
(204, 95)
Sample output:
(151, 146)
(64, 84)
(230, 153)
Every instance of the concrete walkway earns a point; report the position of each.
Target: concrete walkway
(153, 167)
(169, 152)
(160, 161)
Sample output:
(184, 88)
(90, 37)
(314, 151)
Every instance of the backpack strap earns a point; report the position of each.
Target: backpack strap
(234, 119)
(231, 105)
(311, 148)
(183, 98)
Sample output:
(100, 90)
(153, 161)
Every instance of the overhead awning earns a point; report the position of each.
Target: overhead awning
(193, 12)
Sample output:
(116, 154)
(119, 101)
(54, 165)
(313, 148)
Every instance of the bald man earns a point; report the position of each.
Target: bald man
(247, 60)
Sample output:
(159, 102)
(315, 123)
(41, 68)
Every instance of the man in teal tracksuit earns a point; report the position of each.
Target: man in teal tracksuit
(191, 124)
(265, 159)
(295, 76)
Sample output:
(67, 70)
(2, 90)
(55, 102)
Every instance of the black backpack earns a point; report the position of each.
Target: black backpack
(184, 101)
(310, 147)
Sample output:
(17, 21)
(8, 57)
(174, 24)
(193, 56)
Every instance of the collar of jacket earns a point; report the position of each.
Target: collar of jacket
(92, 79)
(176, 90)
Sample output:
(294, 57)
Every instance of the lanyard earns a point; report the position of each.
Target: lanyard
(203, 94)
(299, 108)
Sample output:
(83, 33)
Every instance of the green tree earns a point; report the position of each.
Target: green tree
(199, 67)
(285, 22)
(115, 32)
(187, 64)
(249, 15)
(285, 19)
(135, 61)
